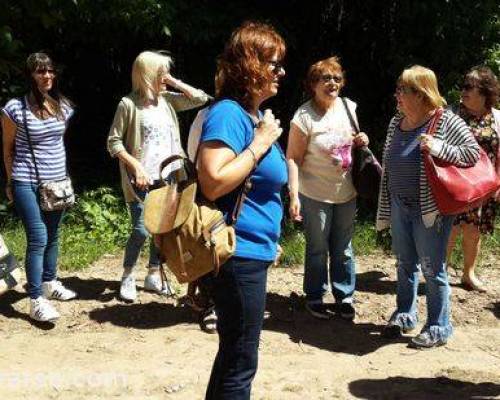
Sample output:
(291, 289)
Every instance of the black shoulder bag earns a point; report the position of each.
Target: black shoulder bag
(366, 171)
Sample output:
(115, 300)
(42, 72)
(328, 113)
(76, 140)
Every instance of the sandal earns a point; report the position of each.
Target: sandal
(473, 286)
(208, 321)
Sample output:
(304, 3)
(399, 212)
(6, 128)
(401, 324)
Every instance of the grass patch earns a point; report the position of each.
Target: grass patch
(365, 241)
(489, 253)
(98, 224)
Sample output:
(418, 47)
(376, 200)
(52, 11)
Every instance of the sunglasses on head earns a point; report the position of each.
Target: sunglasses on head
(43, 71)
(328, 77)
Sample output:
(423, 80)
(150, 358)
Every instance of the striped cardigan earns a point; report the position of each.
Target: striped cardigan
(452, 142)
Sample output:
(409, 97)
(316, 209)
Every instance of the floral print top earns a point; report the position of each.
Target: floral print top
(487, 137)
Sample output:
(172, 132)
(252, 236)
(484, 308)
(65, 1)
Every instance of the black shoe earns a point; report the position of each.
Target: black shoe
(392, 332)
(318, 310)
(347, 311)
(425, 341)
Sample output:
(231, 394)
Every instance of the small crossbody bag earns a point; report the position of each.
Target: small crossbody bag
(54, 195)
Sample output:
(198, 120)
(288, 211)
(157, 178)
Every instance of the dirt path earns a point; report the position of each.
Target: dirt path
(105, 349)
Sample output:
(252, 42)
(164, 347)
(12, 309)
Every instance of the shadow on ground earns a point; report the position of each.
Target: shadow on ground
(288, 315)
(399, 387)
(8, 311)
(494, 308)
(142, 316)
(375, 282)
(93, 288)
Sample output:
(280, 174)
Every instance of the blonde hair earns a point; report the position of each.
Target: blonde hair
(145, 73)
(423, 80)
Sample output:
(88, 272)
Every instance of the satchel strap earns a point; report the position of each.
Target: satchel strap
(350, 116)
(30, 145)
(431, 130)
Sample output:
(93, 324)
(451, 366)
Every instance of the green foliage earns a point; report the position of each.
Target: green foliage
(490, 250)
(293, 244)
(98, 224)
(365, 241)
(101, 215)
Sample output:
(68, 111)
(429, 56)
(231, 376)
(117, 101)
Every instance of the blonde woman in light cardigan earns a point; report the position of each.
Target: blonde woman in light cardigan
(144, 132)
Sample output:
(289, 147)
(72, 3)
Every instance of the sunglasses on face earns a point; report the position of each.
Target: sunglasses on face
(328, 77)
(277, 66)
(43, 71)
(468, 86)
(404, 90)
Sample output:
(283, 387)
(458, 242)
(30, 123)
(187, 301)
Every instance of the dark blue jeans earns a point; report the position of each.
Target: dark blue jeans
(42, 236)
(240, 300)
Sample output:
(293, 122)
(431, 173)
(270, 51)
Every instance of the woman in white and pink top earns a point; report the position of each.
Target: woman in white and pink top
(321, 190)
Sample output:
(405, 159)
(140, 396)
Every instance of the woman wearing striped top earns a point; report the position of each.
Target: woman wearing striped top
(406, 204)
(45, 112)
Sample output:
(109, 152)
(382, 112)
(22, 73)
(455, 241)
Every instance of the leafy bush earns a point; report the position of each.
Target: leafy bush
(98, 224)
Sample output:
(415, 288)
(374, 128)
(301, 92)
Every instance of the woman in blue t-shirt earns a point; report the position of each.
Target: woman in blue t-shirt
(45, 113)
(237, 140)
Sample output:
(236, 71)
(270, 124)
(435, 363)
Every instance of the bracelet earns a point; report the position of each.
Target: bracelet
(253, 156)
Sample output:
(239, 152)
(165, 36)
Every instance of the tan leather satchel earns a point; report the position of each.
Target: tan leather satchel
(190, 231)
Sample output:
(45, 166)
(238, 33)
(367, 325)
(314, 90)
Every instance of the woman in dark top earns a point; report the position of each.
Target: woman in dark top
(479, 95)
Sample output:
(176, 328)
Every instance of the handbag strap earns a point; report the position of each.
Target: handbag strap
(30, 145)
(431, 129)
(350, 116)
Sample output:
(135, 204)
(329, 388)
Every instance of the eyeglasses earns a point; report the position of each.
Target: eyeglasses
(43, 71)
(468, 86)
(277, 66)
(328, 77)
(404, 90)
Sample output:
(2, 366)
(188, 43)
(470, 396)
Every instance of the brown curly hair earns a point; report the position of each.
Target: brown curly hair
(242, 72)
(329, 65)
(486, 82)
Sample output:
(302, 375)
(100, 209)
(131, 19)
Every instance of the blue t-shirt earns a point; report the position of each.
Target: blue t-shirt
(258, 225)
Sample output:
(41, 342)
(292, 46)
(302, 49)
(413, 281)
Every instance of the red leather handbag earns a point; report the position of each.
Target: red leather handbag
(458, 189)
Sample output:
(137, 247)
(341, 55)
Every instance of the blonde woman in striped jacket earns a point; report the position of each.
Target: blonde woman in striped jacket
(419, 233)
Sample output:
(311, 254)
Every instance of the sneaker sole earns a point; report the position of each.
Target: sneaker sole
(348, 317)
(393, 333)
(417, 346)
(318, 315)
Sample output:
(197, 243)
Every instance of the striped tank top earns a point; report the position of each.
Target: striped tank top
(47, 138)
(403, 163)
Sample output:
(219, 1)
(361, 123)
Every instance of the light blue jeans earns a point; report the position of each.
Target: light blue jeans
(328, 230)
(418, 248)
(42, 236)
(138, 236)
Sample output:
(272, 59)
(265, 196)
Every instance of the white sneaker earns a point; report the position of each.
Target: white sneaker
(42, 310)
(56, 290)
(153, 283)
(128, 291)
